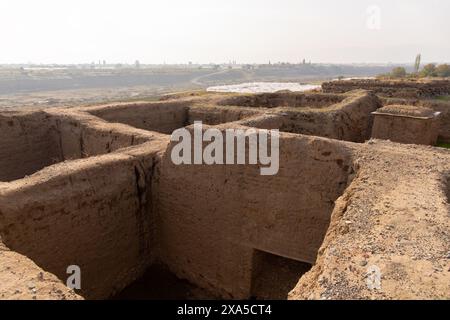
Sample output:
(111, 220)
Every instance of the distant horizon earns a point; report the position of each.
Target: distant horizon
(411, 63)
(251, 31)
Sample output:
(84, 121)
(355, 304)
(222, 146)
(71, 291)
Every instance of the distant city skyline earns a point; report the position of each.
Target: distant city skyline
(202, 31)
(210, 64)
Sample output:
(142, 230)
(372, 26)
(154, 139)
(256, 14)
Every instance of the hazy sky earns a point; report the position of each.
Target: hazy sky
(178, 31)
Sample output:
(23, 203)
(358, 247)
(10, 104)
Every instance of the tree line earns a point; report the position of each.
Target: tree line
(429, 70)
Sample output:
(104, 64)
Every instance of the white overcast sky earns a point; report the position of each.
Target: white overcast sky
(178, 31)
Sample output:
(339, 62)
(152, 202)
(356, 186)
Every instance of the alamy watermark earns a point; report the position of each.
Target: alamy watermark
(373, 278)
(373, 21)
(74, 280)
(227, 147)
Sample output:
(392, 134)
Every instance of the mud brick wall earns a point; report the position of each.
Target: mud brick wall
(82, 136)
(212, 218)
(400, 89)
(406, 129)
(285, 99)
(162, 117)
(349, 120)
(439, 106)
(213, 115)
(28, 143)
(95, 213)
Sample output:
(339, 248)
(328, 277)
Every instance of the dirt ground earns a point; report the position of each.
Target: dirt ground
(392, 216)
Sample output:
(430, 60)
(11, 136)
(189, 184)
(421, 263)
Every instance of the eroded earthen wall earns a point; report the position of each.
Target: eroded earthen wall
(349, 120)
(83, 136)
(28, 142)
(285, 99)
(212, 218)
(393, 88)
(213, 115)
(95, 213)
(160, 117)
(439, 106)
(405, 129)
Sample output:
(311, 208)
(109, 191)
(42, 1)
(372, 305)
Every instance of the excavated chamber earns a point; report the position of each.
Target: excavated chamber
(79, 197)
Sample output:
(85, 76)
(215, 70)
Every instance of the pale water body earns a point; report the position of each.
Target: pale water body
(262, 87)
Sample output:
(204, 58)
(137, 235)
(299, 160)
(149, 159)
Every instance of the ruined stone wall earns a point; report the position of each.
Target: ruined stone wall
(28, 143)
(391, 88)
(212, 218)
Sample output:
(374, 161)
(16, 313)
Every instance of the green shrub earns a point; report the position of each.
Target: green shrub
(429, 70)
(398, 72)
(443, 70)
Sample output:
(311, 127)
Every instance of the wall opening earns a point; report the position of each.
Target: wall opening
(274, 276)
